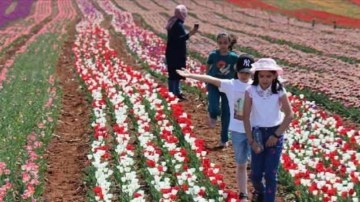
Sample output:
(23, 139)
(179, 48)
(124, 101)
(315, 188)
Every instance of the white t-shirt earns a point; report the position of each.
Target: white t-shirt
(235, 92)
(266, 107)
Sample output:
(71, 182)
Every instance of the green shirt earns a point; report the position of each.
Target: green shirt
(222, 66)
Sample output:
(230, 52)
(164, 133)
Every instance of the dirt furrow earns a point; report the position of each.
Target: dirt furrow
(67, 151)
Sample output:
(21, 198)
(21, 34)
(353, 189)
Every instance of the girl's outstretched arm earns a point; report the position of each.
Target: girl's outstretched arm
(204, 78)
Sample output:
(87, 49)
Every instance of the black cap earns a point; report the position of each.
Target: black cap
(244, 63)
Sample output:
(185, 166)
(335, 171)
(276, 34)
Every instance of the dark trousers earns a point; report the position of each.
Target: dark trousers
(266, 164)
(214, 96)
(174, 86)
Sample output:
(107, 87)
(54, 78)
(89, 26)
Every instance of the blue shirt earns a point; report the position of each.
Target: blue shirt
(222, 66)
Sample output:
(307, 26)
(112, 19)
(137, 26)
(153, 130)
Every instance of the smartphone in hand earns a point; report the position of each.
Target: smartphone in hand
(196, 26)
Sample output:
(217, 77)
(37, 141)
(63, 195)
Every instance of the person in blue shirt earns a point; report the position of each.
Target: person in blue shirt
(175, 53)
(220, 64)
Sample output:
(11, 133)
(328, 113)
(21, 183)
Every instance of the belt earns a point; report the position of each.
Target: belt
(268, 128)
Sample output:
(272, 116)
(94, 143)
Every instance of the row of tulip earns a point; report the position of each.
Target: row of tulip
(65, 15)
(164, 156)
(27, 121)
(125, 149)
(93, 78)
(35, 147)
(99, 155)
(307, 11)
(321, 154)
(91, 15)
(5, 184)
(31, 167)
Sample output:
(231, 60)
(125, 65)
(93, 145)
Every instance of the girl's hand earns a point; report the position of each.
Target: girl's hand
(271, 141)
(183, 72)
(256, 148)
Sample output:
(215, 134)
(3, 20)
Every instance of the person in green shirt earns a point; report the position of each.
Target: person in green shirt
(220, 64)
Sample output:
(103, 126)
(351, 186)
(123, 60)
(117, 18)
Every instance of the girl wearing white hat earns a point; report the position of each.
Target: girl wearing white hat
(267, 114)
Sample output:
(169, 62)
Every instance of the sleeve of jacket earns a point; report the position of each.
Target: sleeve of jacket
(180, 32)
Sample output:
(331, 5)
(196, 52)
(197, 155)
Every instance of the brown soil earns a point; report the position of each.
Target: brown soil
(117, 42)
(66, 153)
(224, 157)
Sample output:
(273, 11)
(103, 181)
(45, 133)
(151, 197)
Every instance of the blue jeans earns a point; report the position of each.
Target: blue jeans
(174, 86)
(214, 96)
(241, 147)
(266, 162)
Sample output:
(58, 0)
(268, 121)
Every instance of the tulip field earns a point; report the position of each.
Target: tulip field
(85, 113)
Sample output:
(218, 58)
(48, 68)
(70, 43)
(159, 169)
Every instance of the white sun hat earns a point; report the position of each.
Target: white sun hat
(266, 64)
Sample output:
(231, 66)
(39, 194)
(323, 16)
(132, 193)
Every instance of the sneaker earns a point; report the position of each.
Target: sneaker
(181, 98)
(243, 197)
(212, 122)
(222, 144)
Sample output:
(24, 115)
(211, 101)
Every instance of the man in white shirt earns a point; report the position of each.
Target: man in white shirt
(235, 92)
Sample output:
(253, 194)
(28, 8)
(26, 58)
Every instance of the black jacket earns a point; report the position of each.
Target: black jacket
(175, 53)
